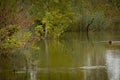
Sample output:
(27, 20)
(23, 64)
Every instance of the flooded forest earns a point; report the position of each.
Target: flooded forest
(59, 39)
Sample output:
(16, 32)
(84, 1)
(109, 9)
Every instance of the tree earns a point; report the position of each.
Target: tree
(55, 14)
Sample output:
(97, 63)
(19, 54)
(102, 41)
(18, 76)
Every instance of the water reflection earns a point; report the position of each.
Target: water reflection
(113, 64)
(72, 58)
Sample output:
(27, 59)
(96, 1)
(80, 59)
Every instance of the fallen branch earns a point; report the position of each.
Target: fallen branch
(89, 24)
(88, 27)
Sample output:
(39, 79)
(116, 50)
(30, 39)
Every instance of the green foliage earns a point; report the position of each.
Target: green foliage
(12, 39)
(73, 15)
(27, 35)
(7, 32)
(8, 40)
(56, 23)
(39, 30)
(54, 17)
(60, 23)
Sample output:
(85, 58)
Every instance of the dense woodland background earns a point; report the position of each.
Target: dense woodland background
(24, 22)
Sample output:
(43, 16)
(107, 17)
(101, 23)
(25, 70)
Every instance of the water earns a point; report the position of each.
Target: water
(75, 57)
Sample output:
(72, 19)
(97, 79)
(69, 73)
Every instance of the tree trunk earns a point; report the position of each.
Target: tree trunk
(88, 27)
(47, 9)
(89, 24)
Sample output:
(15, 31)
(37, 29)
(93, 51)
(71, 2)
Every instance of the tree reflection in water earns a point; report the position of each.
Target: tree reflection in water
(113, 64)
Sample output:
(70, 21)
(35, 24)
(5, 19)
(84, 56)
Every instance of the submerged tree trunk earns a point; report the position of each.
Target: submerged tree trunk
(88, 27)
(89, 24)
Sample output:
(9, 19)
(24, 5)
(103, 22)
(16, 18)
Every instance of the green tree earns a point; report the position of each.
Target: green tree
(55, 14)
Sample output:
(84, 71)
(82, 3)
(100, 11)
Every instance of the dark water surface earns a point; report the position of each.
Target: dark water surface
(74, 57)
